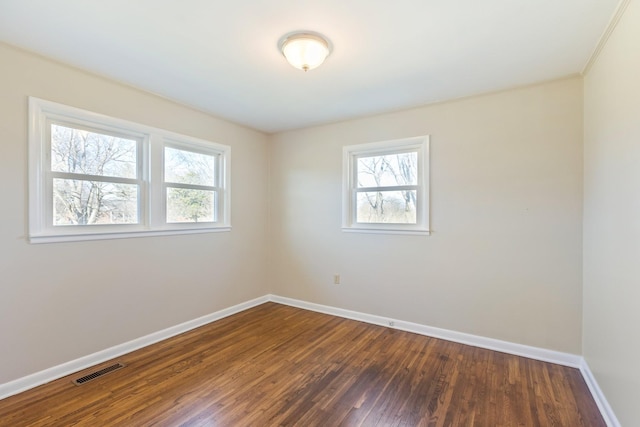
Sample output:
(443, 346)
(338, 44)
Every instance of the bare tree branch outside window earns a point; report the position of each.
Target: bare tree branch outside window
(78, 156)
(380, 200)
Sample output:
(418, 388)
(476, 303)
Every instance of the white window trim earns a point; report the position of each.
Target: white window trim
(349, 183)
(151, 198)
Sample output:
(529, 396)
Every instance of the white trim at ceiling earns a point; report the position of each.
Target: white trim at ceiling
(604, 38)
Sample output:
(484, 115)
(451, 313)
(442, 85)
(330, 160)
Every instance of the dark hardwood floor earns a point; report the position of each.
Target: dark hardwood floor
(276, 365)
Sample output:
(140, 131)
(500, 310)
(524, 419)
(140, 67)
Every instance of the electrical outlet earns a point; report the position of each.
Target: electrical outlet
(336, 279)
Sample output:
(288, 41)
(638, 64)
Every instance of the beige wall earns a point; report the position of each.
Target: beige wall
(505, 257)
(65, 300)
(612, 218)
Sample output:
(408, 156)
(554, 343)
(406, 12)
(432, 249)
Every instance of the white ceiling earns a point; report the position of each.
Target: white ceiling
(222, 56)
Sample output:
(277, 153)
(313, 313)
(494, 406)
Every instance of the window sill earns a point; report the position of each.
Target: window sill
(57, 238)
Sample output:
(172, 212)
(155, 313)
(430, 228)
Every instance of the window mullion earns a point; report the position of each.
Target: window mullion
(156, 193)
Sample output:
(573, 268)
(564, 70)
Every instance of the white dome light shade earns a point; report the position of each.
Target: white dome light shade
(305, 51)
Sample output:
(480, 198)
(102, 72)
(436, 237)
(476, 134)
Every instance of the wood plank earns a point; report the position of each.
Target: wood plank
(276, 365)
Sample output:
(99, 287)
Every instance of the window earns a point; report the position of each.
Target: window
(386, 187)
(97, 177)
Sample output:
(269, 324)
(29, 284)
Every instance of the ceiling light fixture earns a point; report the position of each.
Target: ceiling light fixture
(305, 50)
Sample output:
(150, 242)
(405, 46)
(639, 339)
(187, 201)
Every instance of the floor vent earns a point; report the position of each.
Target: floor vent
(96, 374)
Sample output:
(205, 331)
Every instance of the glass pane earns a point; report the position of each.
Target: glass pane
(188, 205)
(79, 202)
(187, 167)
(388, 170)
(390, 207)
(90, 153)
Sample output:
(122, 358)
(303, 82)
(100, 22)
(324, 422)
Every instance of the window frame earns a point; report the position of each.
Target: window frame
(352, 153)
(150, 176)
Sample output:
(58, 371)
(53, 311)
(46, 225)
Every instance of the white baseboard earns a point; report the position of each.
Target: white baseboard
(560, 358)
(59, 371)
(605, 409)
(566, 359)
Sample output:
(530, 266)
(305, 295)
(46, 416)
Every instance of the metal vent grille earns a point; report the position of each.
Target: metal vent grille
(96, 374)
